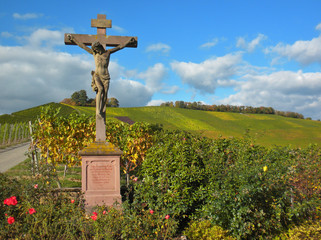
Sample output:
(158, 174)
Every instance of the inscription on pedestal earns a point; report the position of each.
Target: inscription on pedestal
(101, 176)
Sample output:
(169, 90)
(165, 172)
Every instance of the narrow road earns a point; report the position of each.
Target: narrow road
(11, 156)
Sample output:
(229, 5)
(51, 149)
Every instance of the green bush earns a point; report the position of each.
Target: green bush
(172, 177)
(33, 210)
(204, 230)
(247, 189)
(38, 213)
(133, 222)
(308, 230)
(250, 191)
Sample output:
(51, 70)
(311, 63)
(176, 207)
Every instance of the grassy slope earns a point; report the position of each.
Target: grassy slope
(266, 129)
(31, 114)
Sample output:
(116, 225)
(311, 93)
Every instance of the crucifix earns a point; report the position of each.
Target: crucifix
(100, 77)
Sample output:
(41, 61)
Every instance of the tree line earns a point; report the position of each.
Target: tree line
(80, 98)
(231, 108)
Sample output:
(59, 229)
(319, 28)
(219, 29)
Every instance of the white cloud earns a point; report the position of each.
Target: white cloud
(158, 47)
(154, 76)
(250, 46)
(305, 52)
(155, 102)
(210, 44)
(31, 77)
(45, 38)
(318, 27)
(6, 35)
(26, 16)
(130, 93)
(284, 91)
(34, 74)
(171, 90)
(205, 76)
(118, 29)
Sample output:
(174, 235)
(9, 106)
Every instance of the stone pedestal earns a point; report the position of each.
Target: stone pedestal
(101, 174)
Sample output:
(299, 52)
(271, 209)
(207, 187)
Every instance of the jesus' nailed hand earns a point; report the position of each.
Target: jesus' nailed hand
(100, 77)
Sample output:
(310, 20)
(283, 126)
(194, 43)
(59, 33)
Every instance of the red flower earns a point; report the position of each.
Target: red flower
(10, 220)
(72, 200)
(167, 216)
(13, 200)
(35, 186)
(10, 201)
(104, 212)
(32, 211)
(151, 211)
(94, 217)
(95, 214)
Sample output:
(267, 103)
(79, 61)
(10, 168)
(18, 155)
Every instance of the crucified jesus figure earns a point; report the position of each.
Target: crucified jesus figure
(100, 77)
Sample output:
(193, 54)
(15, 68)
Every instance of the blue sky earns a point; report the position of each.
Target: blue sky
(252, 53)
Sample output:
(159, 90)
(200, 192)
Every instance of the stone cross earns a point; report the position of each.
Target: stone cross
(100, 77)
(101, 23)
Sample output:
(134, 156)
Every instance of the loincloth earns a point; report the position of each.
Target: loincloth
(105, 79)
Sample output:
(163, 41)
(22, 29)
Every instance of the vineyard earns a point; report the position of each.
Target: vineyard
(11, 134)
(176, 183)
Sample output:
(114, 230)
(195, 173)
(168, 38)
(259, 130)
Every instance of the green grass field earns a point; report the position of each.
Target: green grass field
(267, 130)
(31, 114)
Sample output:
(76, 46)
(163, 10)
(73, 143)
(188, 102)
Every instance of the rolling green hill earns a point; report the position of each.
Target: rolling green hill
(31, 114)
(267, 130)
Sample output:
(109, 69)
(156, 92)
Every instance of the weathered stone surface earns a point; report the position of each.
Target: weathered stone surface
(100, 77)
(100, 149)
(101, 174)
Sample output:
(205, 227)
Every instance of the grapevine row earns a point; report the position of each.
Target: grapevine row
(13, 133)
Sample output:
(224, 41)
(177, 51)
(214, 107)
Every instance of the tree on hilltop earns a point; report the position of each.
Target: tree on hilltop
(80, 97)
(112, 102)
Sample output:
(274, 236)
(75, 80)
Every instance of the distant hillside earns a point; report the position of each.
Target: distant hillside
(267, 129)
(31, 114)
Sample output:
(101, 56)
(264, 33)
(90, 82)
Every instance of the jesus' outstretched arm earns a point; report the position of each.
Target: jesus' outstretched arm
(121, 46)
(83, 46)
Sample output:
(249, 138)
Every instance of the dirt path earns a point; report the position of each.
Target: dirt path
(11, 156)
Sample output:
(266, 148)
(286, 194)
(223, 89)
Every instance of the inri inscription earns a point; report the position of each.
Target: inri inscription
(101, 176)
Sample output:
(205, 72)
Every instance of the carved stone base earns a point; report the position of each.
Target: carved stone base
(101, 174)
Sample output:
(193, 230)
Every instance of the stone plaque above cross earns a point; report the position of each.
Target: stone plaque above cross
(101, 23)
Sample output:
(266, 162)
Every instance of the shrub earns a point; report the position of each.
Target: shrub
(204, 230)
(133, 222)
(244, 188)
(308, 230)
(32, 210)
(247, 192)
(172, 177)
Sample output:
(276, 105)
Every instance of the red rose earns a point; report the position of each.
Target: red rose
(32, 211)
(10, 220)
(10, 201)
(167, 216)
(94, 217)
(72, 200)
(151, 211)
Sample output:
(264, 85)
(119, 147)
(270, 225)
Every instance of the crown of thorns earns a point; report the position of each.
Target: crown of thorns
(96, 44)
